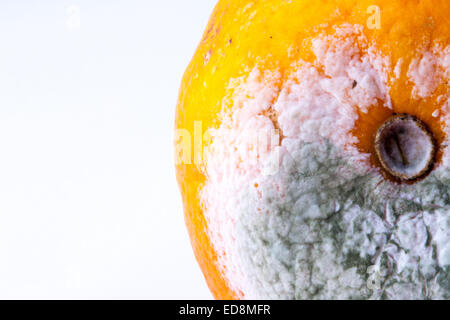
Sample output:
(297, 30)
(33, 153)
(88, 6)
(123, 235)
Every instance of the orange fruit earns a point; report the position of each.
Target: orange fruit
(312, 149)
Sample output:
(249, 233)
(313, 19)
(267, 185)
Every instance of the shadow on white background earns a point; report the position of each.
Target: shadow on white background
(89, 206)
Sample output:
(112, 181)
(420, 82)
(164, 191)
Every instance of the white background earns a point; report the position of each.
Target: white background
(89, 206)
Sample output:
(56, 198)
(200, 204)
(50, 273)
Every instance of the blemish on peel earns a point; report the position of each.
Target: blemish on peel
(398, 68)
(273, 255)
(207, 57)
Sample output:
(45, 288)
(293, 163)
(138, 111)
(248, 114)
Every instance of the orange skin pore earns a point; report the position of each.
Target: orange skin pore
(275, 33)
